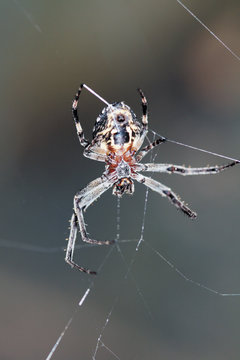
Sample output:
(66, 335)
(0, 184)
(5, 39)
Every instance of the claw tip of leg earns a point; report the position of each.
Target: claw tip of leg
(92, 273)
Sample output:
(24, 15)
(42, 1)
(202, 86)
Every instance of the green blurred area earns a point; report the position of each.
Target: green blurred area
(193, 85)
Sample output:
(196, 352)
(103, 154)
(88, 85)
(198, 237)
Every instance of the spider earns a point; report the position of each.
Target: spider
(117, 141)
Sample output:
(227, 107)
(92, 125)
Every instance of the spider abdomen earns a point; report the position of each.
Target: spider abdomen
(116, 130)
(121, 137)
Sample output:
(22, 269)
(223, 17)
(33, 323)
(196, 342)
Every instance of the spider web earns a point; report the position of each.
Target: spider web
(101, 342)
(140, 245)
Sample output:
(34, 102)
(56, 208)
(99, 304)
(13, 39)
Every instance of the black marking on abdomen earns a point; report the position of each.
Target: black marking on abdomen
(121, 137)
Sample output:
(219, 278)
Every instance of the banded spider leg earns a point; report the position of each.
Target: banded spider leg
(82, 200)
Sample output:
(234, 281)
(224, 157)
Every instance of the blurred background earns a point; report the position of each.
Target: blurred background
(193, 86)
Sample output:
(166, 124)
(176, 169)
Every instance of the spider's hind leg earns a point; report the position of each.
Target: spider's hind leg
(85, 198)
(166, 192)
(82, 200)
(71, 246)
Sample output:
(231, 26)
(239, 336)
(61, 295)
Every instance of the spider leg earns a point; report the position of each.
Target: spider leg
(86, 197)
(81, 202)
(92, 152)
(80, 134)
(165, 192)
(144, 129)
(182, 170)
(144, 109)
(149, 147)
(71, 246)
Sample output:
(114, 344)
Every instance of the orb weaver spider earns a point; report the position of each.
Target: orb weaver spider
(117, 141)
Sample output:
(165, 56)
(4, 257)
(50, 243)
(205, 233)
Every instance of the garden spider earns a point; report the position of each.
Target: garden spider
(117, 137)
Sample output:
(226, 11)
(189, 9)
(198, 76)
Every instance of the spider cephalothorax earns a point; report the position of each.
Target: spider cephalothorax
(117, 139)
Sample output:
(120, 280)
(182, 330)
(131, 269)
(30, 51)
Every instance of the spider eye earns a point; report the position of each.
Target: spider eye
(120, 118)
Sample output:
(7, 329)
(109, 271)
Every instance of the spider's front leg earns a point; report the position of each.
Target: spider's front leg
(81, 202)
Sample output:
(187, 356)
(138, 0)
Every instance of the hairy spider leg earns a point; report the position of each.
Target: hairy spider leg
(165, 192)
(90, 151)
(71, 246)
(149, 147)
(84, 142)
(86, 197)
(81, 202)
(182, 170)
(144, 120)
(144, 109)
